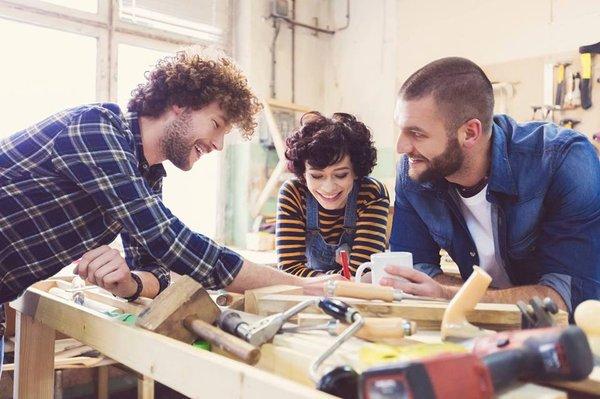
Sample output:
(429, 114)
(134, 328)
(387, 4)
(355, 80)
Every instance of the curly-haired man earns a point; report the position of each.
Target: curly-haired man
(71, 183)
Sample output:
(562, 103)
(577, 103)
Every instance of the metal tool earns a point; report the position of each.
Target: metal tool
(340, 381)
(265, 329)
(538, 313)
(375, 329)
(342, 311)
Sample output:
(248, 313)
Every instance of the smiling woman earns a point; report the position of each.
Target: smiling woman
(332, 204)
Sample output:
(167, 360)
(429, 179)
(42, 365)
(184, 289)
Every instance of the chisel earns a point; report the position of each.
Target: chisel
(368, 291)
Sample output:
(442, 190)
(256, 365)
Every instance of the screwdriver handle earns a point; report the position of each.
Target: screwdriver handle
(376, 329)
(362, 291)
(338, 309)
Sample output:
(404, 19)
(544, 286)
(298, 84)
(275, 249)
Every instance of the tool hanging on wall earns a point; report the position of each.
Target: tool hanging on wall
(560, 83)
(573, 96)
(586, 73)
(569, 123)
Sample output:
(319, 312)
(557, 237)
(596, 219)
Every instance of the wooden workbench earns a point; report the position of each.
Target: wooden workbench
(282, 371)
(184, 368)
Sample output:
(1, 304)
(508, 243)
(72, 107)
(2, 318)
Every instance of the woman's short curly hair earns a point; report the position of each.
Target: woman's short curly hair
(195, 79)
(323, 141)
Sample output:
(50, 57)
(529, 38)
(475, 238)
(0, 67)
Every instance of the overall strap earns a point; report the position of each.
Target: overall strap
(312, 212)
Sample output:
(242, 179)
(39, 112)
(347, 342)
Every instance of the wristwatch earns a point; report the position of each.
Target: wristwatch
(138, 291)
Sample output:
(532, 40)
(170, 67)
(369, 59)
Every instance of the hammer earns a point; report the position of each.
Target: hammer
(184, 311)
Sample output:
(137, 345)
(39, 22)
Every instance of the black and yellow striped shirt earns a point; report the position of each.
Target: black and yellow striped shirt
(372, 211)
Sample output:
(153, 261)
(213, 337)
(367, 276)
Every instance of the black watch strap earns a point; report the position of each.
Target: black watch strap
(138, 291)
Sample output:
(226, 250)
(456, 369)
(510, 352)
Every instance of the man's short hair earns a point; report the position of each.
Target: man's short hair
(459, 87)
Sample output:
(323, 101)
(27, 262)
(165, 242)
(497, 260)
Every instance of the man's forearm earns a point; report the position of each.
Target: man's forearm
(253, 276)
(512, 295)
(447, 279)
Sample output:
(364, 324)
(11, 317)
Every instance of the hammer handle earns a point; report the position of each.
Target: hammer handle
(363, 291)
(232, 344)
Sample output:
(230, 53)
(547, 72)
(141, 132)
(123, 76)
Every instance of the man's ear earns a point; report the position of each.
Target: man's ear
(177, 110)
(472, 132)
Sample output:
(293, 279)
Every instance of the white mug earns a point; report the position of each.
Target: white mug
(382, 259)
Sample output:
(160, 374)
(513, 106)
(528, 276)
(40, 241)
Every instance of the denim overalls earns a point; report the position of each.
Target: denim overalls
(319, 254)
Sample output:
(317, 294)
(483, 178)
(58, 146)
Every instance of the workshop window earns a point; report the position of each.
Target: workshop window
(39, 78)
(61, 53)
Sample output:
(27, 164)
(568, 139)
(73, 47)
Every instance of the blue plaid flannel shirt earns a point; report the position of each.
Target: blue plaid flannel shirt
(75, 181)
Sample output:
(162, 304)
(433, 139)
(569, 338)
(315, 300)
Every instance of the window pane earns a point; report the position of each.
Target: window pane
(192, 195)
(205, 19)
(45, 71)
(81, 5)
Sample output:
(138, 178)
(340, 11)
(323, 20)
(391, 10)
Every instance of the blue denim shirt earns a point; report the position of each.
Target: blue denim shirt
(544, 189)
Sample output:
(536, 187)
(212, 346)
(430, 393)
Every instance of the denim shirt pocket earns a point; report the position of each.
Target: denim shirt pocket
(525, 247)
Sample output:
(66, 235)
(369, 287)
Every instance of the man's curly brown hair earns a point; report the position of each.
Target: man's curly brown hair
(322, 142)
(195, 79)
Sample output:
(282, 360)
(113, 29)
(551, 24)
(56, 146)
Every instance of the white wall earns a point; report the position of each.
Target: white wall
(360, 77)
(490, 32)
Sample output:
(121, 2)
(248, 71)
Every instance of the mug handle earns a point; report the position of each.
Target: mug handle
(360, 271)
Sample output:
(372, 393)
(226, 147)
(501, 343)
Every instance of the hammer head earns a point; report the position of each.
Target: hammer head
(185, 297)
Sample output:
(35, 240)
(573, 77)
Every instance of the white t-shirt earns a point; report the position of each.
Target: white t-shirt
(477, 212)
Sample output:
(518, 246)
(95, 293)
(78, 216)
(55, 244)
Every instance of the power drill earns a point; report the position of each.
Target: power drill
(497, 361)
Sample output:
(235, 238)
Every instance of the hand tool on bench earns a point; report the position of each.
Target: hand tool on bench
(339, 380)
(368, 291)
(184, 311)
(537, 313)
(432, 377)
(497, 361)
(587, 316)
(265, 329)
(454, 323)
(374, 328)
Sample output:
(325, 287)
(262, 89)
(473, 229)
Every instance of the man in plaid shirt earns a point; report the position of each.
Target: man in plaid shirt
(71, 183)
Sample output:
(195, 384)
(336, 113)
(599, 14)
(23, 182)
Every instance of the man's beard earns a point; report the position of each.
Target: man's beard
(175, 144)
(443, 165)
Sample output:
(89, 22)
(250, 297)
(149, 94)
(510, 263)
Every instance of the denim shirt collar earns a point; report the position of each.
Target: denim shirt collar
(501, 178)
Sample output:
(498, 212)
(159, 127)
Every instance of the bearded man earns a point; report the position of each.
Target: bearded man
(522, 201)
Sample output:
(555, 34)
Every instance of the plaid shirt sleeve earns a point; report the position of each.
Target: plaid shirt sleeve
(98, 156)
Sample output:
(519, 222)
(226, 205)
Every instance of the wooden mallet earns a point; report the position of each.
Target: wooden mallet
(184, 311)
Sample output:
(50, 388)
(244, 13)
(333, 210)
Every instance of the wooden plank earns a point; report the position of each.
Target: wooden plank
(102, 383)
(145, 388)
(190, 371)
(252, 297)
(428, 315)
(34, 359)
(590, 385)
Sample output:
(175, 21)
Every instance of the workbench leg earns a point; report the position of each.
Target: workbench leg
(103, 382)
(145, 388)
(34, 359)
